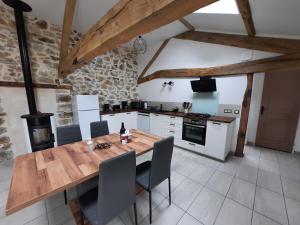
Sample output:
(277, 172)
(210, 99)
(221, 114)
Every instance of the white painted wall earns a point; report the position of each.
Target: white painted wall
(17, 106)
(189, 54)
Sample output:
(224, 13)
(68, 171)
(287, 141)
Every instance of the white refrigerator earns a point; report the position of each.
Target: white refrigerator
(85, 111)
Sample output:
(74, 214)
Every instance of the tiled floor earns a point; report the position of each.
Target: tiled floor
(263, 188)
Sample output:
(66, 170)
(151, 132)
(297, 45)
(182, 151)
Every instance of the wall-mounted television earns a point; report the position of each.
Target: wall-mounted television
(204, 85)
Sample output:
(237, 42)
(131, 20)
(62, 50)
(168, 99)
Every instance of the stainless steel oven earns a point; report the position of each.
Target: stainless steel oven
(194, 130)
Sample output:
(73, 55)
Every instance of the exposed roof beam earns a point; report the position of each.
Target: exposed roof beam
(126, 20)
(157, 53)
(268, 44)
(285, 62)
(245, 11)
(186, 23)
(67, 29)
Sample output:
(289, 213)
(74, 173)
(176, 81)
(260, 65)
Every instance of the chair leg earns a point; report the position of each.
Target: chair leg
(65, 196)
(169, 190)
(150, 207)
(135, 214)
(81, 218)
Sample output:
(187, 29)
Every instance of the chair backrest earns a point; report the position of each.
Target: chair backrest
(116, 190)
(68, 134)
(161, 161)
(99, 128)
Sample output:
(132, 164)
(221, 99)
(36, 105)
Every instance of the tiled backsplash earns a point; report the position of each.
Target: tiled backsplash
(223, 109)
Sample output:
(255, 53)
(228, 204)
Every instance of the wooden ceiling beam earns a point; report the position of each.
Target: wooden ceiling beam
(66, 30)
(268, 44)
(245, 11)
(126, 20)
(186, 23)
(157, 53)
(285, 62)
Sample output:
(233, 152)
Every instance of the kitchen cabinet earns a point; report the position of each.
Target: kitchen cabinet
(129, 119)
(218, 139)
(157, 124)
(115, 120)
(143, 122)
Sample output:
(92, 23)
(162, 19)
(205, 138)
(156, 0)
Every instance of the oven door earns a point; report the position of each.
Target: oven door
(194, 133)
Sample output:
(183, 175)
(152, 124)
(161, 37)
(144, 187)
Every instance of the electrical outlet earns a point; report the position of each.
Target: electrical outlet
(229, 110)
(236, 111)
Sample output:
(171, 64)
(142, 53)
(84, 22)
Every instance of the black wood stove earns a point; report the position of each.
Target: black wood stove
(39, 124)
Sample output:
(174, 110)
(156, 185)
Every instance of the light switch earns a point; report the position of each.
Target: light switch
(237, 111)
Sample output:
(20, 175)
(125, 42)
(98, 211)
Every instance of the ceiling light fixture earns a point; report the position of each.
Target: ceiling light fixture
(220, 7)
(140, 45)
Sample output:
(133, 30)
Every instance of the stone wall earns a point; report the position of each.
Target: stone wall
(5, 143)
(113, 76)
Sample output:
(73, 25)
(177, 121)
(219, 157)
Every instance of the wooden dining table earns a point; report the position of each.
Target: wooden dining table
(39, 175)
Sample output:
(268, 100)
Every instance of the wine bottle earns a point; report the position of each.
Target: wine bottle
(122, 130)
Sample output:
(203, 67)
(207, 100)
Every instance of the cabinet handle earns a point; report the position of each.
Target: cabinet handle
(191, 144)
(171, 131)
(128, 113)
(172, 124)
(172, 117)
(216, 123)
(112, 115)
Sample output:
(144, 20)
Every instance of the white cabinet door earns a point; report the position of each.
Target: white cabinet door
(157, 123)
(216, 139)
(130, 120)
(114, 122)
(143, 123)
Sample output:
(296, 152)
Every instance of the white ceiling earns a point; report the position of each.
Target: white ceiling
(271, 17)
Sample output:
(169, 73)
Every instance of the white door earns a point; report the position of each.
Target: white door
(84, 120)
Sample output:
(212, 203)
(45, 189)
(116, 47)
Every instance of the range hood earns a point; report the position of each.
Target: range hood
(204, 85)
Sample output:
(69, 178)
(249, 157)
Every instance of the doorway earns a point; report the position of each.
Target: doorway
(279, 112)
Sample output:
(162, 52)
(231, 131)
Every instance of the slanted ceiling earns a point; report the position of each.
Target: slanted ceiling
(271, 18)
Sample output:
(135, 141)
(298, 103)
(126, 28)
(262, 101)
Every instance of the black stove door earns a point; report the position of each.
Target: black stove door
(194, 133)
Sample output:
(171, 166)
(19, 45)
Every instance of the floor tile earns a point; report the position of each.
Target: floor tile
(189, 220)
(248, 173)
(268, 154)
(243, 192)
(258, 219)
(176, 179)
(229, 167)
(220, 182)
(142, 203)
(165, 214)
(291, 188)
(202, 174)
(187, 167)
(269, 181)
(271, 205)
(185, 193)
(206, 206)
(290, 172)
(293, 210)
(269, 166)
(233, 213)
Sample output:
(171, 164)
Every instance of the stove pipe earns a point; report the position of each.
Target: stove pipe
(20, 7)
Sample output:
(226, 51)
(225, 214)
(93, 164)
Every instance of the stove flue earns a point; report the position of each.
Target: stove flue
(39, 124)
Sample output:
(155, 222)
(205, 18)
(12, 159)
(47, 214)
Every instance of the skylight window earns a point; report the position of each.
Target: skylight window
(220, 7)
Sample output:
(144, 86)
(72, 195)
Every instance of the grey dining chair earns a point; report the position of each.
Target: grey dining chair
(99, 128)
(115, 192)
(67, 135)
(151, 173)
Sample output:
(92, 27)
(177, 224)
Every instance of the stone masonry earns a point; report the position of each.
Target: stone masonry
(112, 76)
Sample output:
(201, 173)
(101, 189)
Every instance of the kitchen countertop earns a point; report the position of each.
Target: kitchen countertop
(221, 119)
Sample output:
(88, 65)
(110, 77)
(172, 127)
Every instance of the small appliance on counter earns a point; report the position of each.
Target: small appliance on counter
(106, 107)
(116, 108)
(186, 106)
(124, 105)
(137, 105)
